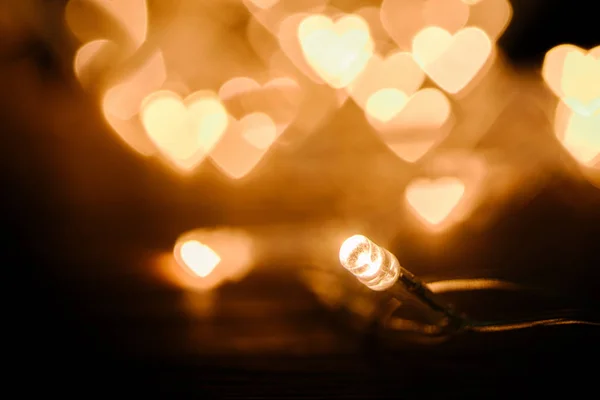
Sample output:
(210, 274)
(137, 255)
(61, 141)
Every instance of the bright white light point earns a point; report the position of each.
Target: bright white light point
(199, 258)
(374, 266)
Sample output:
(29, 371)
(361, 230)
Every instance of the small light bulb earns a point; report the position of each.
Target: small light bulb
(374, 266)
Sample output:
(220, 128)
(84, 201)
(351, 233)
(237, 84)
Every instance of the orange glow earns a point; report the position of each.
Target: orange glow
(91, 54)
(124, 99)
(264, 4)
(573, 74)
(450, 188)
(199, 258)
(433, 200)
(184, 131)
(204, 259)
(403, 19)
(397, 71)
(493, 16)
(337, 51)
(385, 104)
(280, 99)
(131, 15)
(270, 13)
(422, 122)
(244, 144)
(452, 61)
(579, 134)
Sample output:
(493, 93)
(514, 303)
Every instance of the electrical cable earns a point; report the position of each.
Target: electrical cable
(379, 270)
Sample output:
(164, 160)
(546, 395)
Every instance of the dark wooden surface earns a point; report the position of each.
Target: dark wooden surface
(86, 220)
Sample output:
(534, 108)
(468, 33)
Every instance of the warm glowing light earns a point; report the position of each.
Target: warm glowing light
(374, 266)
(280, 99)
(184, 131)
(336, 51)
(581, 82)
(131, 15)
(422, 123)
(90, 54)
(493, 16)
(199, 258)
(452, 61)
(124, 99)
(403, 19)
(244, 144)
(264, 4)
(434, 200)
(579, 134)
(203, 259)
(384, 104)
(397, 71)
(573, 74)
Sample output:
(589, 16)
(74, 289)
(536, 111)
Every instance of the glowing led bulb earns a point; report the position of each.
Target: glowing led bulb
(374, 266)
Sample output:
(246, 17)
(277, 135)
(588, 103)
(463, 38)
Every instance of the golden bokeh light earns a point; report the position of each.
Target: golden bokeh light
(579, 134)
(448, 189)
(434, 200)
(204, 259)
(404, 19)
(423, 121)
(280, 99)
(492, 16)
(199, 258)
(385, 104)
(573, 74)
(185, 131)
(244, 144)
(131, 17)
(337, 51)
(452, 61)
(397, 71)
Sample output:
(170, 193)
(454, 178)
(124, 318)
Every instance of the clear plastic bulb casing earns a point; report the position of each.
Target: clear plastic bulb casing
(374, 266)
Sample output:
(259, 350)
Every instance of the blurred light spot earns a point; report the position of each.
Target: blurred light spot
(384, 104)
(338, 51)
(433, 200)
(403, 19)
(396, 71)
(244, 144)
(97, 53)
(264, 4)
(573, 74)
(280, 99)
(423, 122)
(579, 134)
(452, 61)
(124, 99)
(203, 259)
(130, 15)
(184, 131)
(199, 258)
(493, 16)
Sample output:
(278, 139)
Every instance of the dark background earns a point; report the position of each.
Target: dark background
(81, 214)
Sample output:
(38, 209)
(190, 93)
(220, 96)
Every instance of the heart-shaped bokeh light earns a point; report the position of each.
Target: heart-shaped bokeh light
(337, 51)
(449, 189)
(244, 144)
(579, 134)
(404, 19)
(452, 61)
(279, 98)
(573, 74)
(422, 121)
(433, 200)
(185, 131)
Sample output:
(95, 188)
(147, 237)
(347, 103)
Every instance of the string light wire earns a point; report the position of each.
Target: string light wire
(380, 270)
